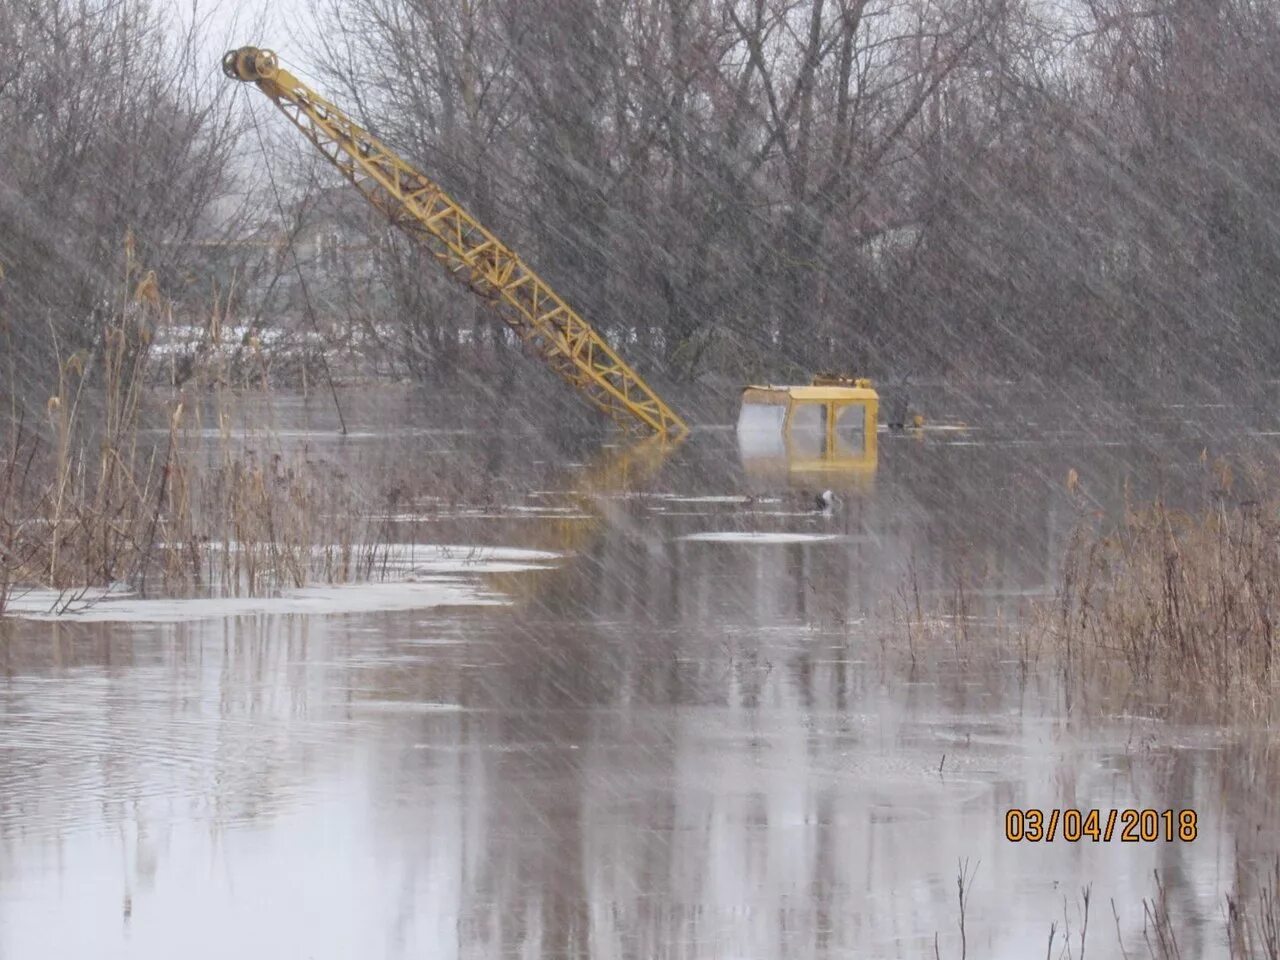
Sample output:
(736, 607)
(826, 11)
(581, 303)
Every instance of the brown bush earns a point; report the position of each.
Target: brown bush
(1182, 598)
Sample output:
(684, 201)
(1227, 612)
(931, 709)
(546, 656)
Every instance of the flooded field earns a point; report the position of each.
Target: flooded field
(640, 711)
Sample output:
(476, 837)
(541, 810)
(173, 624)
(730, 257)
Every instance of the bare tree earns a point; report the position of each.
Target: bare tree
(781, 185)
(114, 127)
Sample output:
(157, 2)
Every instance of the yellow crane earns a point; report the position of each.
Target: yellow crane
(469, 252)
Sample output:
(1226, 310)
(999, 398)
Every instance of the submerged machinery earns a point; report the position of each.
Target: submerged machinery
(467, 250)
(819, 434)
(827, 427)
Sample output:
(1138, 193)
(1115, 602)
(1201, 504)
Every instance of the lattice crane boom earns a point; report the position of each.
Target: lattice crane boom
(470, 252)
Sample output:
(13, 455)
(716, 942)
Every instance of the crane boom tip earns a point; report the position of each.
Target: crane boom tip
(250, 64)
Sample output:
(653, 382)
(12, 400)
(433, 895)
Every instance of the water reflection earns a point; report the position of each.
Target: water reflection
(667, 748)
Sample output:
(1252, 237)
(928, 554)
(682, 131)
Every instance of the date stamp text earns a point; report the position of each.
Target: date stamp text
(1100, 826)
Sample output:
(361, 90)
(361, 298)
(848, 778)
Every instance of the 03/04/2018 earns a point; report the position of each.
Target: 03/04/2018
(1100, 826)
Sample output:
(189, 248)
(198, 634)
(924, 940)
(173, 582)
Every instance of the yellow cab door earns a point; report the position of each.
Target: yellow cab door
(853, 431)
(808, 430)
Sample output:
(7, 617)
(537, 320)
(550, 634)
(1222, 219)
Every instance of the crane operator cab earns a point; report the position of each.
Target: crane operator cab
(823, 433)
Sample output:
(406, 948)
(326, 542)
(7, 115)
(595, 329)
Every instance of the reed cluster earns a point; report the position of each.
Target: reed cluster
(169, 488)
(1181, 599)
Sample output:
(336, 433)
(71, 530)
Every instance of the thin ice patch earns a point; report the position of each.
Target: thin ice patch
(422, 559)
(744, 536)
(407, 706)
(721, 498)
(95, 606)
(435, 558)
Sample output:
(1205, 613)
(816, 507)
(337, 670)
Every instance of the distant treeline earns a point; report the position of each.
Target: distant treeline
(747, 187)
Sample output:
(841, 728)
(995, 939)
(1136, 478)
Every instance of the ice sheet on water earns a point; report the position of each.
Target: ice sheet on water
(422, 575)
(465, 558)
(98, 606)
(407, 706)
(748, 536)
(719, 498)
(440, 557)
(488, 513)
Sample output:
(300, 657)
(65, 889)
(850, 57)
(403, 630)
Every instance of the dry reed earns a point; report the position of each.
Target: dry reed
(1175, 600)
(95, 499)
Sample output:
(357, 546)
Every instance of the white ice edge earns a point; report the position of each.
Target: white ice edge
(717, 498)
(95, 606)
(508, 513)
(453, 557)
(431, 568)
(463, 557)
(745, 536)
(430, 575)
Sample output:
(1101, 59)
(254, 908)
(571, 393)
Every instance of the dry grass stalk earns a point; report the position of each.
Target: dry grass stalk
(96, 502)
(1179, 599)
(1253, 922)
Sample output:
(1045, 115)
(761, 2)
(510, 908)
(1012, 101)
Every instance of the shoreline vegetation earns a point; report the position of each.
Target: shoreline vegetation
(1178, 599)
(1169, 606)
(111, 491)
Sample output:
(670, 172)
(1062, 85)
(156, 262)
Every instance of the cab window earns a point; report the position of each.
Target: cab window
(851, 436)
(760, 428)
(809, 429)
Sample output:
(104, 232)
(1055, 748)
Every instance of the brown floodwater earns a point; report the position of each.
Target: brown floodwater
(695, 732)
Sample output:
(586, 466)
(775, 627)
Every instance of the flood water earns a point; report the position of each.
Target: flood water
(693, 733)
